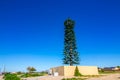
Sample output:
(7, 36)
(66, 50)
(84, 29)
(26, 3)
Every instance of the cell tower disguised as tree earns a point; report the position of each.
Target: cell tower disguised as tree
(71, 56)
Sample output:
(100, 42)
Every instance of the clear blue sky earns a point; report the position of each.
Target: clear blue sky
(32, 32)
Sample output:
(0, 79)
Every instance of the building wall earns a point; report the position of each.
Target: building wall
(88, 70)
(59, 69)
(69, 70)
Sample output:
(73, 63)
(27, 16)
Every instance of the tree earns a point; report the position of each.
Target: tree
(118, 66)
(31, 69)
(77, 73)
(71, 56)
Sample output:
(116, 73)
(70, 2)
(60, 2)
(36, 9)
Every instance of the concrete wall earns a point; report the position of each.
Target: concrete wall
(88, 70)
(69, 70)
(59, 69)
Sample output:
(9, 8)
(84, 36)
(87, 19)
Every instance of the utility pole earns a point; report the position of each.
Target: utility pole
(4, 69)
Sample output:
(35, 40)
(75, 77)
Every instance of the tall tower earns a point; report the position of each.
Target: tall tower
(71, 56)
(4, 70)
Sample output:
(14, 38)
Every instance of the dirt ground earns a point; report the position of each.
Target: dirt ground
(1, 77)
(107, 77)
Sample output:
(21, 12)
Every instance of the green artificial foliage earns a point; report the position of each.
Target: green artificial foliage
(77, 73)
(71, 55)
(9, 76)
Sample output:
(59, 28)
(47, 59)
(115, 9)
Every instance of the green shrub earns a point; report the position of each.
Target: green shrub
(77, 73)
(25, 75)
(73, 79)
(19, 73)
(31, 75)
(35, 74)
(9, 76)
